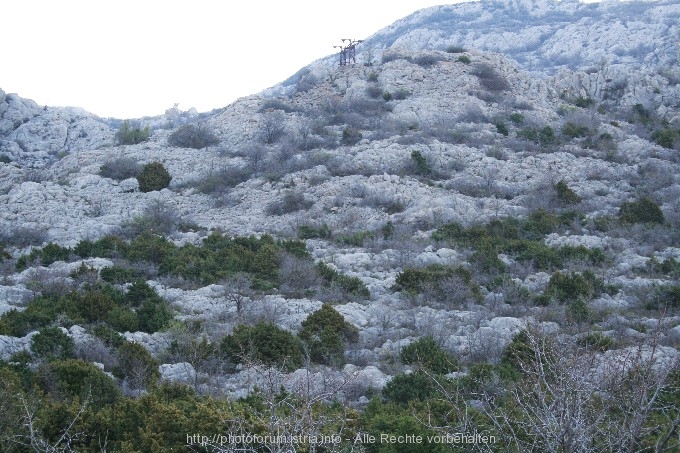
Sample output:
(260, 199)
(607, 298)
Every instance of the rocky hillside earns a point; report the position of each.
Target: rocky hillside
(468, 182)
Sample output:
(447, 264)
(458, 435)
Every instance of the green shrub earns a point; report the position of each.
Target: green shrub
(131, 134)
(667, 296)
(455, 49)
(403, 388)
(544, 136)
(438, 281)
(139, 292)
(109, 336)
(312, 232)
(573, 130)
(51, 343)
(153, 315)
(92, 305)
(421, 166)
(79, 379)
(578, 311)
(153, 177)
(351, 136)
(123, 319)
(387, 230)
(193, 136)
(517, 118)
(596, 341)
(49, 254)
(642, 113)
(464, 59)
(426, 354)
(118, 275)
(109, 246)
(325, 332)
(149, 247)
(520, 352)
(387, 96)
(412, 280)
(565, 194)
(295, 248)
(643, 210)
(351, 285)
(502, 128)
(136, 366)
(84, 272)
(355, 239)
(574, 286)
(583, 102)
(669, 267)
(665, 137)
(264, 343)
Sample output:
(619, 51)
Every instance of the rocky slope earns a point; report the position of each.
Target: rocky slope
(423, 136)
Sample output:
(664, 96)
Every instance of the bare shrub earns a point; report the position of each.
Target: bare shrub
(120, 169)
(497, 153)
(469, 186)
(255, 154)
(374, 91)
(276, 104)
(472, 114)
(272, 127)
(298, 276)
(392, 55)
(307, 82)
(490, 79)
(292, 201)
(94, 350)
(220, 181)
(305, 136)
(35, 175)
(158, 218)
(23, 236)
(389, 204)
(196, 136)
(50, 282)
(427, 60)
(655, 175)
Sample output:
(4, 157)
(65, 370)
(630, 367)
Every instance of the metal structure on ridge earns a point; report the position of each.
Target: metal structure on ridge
(348, 51)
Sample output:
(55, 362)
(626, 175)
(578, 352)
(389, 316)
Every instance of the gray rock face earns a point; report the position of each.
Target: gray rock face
(31, 133)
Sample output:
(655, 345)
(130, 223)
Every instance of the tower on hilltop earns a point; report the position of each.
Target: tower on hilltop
(348, 51)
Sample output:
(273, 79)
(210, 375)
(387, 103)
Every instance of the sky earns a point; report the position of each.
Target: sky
(128, 59)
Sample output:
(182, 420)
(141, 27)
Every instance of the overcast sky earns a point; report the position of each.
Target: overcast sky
(129, 59)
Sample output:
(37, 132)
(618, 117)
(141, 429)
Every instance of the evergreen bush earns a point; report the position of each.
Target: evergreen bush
(643, 210)
(428, 355)
(153, 177)
(265, 344)
(131, 133)
(325, 332)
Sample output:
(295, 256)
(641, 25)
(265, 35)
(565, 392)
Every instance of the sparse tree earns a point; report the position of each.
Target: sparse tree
(272, 126)
(237, 290)
(196, 136)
